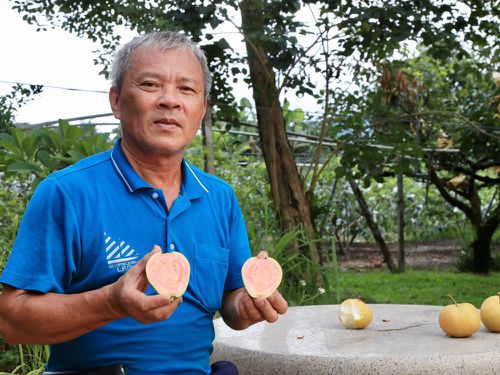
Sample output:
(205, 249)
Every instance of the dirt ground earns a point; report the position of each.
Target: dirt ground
(430, 255)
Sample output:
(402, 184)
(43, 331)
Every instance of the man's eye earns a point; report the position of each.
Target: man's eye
(149, 84)
(187, 88)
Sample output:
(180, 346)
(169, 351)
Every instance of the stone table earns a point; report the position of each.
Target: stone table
(402, 339)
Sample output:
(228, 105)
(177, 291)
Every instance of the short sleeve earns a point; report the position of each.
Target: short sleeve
(44, 257)
(239, 250)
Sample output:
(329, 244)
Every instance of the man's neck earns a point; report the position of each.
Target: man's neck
(161, 172)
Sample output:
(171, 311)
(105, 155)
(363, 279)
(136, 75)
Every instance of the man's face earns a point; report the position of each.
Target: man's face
(161, 102)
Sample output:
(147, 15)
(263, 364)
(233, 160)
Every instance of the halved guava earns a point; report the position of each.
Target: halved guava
(168, 273)
(261, 275)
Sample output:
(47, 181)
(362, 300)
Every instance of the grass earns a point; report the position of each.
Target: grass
(23, 359)
(414, 287)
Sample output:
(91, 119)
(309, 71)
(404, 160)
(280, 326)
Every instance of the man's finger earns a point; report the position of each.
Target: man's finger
(160, 313)
(144, 302)
(278, 302)
(142, 263)
(266, 310)
(247, 309)
(158, 301)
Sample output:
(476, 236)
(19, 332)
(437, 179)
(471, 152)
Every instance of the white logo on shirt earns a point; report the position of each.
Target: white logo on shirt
(119, 254)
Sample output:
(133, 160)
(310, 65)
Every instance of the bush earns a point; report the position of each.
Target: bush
(13, 201)
(9, 358)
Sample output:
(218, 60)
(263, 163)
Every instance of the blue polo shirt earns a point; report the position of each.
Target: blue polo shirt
(88, 224)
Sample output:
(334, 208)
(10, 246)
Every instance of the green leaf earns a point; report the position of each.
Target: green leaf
(9, 143)
(75, 155)
(30, 145)
(46, 159)
(214, 22)
(23, 167)
(223, 44)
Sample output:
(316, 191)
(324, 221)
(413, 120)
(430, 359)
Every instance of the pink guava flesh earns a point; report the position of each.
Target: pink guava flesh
(261, 276)
(168, 273)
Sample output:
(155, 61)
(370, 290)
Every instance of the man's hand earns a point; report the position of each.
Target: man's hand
(255, 310)
(240, 311)
(126, 296)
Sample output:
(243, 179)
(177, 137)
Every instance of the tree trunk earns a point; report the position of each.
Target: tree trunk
(481, 245)
(483, 228)
(287, 187)
(208, 142)
(481, 251)
(401, 224)
(365, 211)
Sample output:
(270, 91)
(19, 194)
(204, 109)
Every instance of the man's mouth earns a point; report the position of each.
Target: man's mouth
(166, 122)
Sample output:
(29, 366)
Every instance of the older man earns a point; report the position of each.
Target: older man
(76, 275)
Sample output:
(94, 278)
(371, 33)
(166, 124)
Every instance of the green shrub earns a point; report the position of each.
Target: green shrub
(13, 200)
(9, 358)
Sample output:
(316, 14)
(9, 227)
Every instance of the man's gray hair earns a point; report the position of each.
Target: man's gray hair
(162, 40)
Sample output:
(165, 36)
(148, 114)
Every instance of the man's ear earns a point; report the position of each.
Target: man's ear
(205, 107)
(114, 102)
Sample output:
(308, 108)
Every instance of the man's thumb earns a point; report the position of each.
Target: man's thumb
(144, 260)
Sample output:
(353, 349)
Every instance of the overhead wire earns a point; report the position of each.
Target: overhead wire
(54, 87)
(48, 123)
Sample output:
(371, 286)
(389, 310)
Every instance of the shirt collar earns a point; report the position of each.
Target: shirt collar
(124, 169)
(192, 187)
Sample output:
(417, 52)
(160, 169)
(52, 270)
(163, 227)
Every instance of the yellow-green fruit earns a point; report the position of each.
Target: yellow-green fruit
(490, 313)
(459, 319)
(355, 314)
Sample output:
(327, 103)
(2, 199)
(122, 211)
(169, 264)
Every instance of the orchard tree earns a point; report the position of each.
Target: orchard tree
(284, 54)
(458, 111)
(439, 121)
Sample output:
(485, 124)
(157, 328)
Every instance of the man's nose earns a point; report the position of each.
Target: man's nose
(168, 98)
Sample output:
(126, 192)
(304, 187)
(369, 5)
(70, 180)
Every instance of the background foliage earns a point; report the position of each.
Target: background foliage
(398, 77)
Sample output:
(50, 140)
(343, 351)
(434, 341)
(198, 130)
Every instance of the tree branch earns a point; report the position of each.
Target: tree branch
(493, 221)
(324, 128)
(441, 186)
(255, 49)
(469, 172)
(325, 164)
(286, 75)
(449, 114)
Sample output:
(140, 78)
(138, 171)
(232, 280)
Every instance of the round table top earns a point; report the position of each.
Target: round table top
(401, 339)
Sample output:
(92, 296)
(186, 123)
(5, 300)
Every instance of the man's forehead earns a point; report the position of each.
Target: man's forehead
(152, 49)
(142, 65)
(146, 56)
